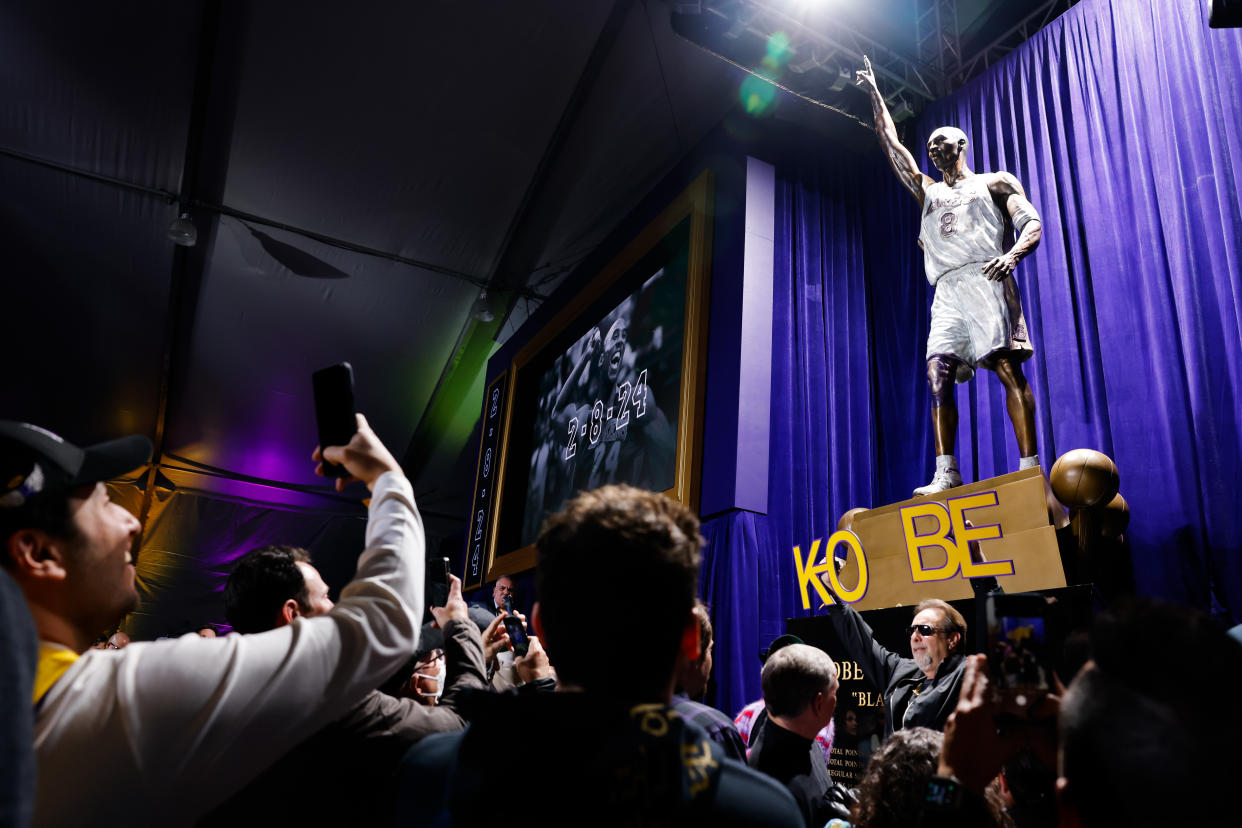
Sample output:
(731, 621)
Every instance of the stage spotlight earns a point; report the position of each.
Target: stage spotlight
(842, 76)
(182, 231)
(1226, 14)
(900, 110)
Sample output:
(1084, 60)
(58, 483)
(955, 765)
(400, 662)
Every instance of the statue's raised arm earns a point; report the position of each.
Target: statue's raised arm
(899, 157)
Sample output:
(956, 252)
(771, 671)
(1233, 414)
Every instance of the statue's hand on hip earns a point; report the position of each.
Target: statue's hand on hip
(1001, 267)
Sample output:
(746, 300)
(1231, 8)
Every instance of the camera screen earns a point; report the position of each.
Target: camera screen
(517, 636)
(1020, 651)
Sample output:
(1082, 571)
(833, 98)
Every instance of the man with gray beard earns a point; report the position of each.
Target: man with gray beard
(920, 691)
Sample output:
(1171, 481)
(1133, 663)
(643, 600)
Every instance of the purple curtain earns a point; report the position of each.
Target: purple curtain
(823, 438)
(1123, 121)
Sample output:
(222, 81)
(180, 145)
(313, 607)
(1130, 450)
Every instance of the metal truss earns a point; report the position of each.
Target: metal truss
(900, 77)
(938, 38)
(1043, 14)
(908, 84)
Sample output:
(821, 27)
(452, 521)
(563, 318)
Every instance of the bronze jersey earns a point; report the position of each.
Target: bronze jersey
(961, 225)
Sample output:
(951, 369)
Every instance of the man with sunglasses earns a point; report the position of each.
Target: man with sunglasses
(920, 691)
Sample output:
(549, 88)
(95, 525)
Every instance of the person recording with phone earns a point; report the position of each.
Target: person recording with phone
(521, 661)
(272, 587)
(153, 720)
(514, 659)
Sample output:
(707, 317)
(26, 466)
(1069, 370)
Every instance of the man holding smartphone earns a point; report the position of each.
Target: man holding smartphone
(271, 586)
(153, 720)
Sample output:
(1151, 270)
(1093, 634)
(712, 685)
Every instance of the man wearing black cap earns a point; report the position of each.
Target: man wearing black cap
(150, 722)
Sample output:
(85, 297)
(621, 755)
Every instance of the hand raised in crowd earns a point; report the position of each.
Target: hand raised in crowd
(535, 664)
(455, 608)
(975, 748)
(495, 638)
(364, 457)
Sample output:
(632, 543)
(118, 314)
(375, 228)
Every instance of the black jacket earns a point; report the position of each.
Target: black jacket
(899, 677)
(796, 763)
(577, 759)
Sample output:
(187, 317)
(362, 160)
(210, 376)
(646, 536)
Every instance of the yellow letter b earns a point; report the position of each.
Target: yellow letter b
(915, 542)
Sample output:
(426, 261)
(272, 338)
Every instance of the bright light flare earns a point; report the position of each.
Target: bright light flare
(758, 96)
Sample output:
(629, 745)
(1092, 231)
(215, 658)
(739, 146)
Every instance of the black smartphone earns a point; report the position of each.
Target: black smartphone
(517, 635)
(334, 410)
(509, 604)
(437, 582)
(1019, 632)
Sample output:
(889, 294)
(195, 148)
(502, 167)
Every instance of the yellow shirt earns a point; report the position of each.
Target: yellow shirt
(54, 660)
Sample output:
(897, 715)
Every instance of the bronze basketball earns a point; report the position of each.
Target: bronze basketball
(1084, 477)
(847, 519)
(1114, 517)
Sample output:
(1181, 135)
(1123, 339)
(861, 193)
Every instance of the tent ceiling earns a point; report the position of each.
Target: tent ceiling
(478, 142)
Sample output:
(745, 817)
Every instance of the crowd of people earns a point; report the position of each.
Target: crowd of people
(354, 712)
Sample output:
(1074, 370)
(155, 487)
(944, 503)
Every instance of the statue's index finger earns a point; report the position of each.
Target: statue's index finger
(867, 63)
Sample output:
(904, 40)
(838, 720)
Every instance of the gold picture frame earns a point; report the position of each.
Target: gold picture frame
(689, 215)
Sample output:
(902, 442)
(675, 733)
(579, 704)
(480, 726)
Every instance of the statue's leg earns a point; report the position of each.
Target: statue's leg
(941, 371)
(1020, 401)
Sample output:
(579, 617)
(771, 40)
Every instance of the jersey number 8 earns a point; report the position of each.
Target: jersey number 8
(948, 223)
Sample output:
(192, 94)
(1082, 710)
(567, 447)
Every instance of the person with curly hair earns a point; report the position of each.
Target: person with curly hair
(892, 792)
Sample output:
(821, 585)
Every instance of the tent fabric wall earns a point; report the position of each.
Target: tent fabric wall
(1121, 119)
(193, 537)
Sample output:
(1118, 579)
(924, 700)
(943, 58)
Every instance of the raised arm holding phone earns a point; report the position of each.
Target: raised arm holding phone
(154, 720)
